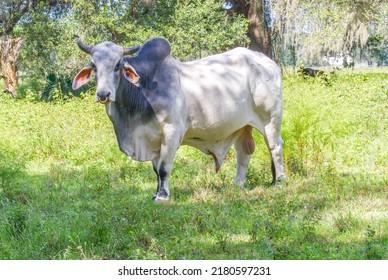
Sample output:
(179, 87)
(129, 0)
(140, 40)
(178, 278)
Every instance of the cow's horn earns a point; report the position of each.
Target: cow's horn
(84, 47)
(131, 50)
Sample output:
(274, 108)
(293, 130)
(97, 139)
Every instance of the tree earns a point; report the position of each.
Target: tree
(11, 13)
(258, 29)
(10, 49)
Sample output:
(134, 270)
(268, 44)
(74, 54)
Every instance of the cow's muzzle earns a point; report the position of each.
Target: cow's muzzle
(103, 97)
(103, 100)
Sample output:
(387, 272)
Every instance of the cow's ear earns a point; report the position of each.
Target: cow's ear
(82, 77)
(130, 74)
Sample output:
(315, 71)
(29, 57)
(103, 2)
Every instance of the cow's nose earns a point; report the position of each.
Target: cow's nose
(103, 96)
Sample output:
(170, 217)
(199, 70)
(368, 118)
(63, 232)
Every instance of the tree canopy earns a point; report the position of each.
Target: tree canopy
(37, 36)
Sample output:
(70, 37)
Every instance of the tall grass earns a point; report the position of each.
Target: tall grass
(67, 192)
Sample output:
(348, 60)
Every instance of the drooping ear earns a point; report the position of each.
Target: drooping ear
(82, 77)
(131, 75)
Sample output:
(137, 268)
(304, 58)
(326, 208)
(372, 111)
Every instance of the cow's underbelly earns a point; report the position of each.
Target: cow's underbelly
(217, 147)
(216, 132)
(210, 145)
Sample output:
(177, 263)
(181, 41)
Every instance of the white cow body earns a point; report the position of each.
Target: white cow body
(224, 94)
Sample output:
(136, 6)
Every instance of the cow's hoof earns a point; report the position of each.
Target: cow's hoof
(157, 198)
(161, 195)
(279, 183)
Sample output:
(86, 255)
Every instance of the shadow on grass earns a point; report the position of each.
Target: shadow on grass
(100, 212)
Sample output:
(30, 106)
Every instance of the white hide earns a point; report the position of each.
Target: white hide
(226, 92)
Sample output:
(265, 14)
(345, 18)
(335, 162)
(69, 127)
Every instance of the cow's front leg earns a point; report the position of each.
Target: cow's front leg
(162, 174)
(155, 166)
(163, 165)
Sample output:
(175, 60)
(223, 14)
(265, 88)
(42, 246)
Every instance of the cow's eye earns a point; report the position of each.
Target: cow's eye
(118, 66)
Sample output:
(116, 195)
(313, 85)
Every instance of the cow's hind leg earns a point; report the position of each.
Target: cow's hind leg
(244, 146)
(275, 146)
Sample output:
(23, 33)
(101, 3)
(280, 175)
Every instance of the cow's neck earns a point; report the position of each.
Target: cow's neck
(130, 114)
(131, 108)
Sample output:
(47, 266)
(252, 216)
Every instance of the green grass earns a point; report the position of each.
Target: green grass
(67, 192)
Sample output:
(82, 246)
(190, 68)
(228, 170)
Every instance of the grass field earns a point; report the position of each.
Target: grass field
(67, 192)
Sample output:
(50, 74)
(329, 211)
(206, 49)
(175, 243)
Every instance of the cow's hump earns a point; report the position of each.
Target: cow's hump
(155, 49)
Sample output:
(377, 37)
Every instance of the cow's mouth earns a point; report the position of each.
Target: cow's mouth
(103, 100)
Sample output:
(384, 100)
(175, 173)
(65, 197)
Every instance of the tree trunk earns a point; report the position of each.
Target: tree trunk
(9, 52)
(258, 31)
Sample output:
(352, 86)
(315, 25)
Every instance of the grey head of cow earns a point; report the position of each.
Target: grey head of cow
(109, 67)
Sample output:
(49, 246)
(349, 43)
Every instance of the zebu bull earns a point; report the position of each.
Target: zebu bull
(157, 103)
